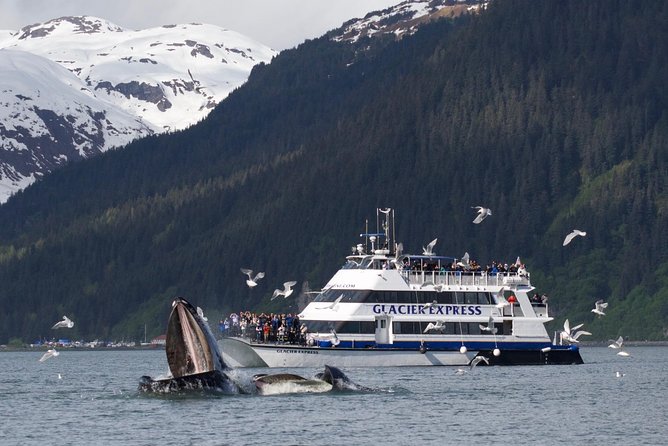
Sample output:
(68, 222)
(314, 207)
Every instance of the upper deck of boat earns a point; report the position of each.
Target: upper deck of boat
(437, 271)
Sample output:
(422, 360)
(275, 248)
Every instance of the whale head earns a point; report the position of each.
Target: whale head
(190, 345)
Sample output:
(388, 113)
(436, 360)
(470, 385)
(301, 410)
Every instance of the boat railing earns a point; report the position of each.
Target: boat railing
(464, 278)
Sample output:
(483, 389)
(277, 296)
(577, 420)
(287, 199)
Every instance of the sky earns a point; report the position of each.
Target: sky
(280, 24)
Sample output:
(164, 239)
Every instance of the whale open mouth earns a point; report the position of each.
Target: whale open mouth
(189, 341)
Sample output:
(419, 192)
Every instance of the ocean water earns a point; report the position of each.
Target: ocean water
(96, 402)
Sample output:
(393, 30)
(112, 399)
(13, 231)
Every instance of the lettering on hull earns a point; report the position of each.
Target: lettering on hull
(434, 310)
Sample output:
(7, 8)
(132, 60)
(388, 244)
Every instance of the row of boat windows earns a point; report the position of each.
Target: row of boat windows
(412, 297)
(369, 327)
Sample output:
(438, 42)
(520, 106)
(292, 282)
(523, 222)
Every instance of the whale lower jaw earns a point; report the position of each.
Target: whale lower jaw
(296, 386)
(214, 381)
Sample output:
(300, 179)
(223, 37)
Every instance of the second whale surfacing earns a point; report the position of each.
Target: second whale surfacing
(194, 360)
(332, 379)
(282, 383)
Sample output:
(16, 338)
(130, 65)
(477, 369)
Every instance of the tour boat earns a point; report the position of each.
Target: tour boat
(387, 308)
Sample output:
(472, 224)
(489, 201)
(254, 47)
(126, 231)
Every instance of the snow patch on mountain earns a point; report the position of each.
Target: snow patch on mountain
(76, 86)
(403, 19)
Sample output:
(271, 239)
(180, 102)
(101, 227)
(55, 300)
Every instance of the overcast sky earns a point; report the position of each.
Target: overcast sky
(279, 24)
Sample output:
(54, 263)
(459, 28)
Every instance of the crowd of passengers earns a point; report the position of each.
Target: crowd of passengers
(473, 266)
(272, 327)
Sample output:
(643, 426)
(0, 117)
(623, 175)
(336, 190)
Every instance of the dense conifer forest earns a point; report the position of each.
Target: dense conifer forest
(553, 114)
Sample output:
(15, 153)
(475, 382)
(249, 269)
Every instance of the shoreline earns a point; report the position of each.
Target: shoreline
(583, 344)
(81, 349)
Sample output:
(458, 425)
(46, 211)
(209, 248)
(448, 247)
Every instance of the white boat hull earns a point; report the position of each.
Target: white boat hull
(239, 353)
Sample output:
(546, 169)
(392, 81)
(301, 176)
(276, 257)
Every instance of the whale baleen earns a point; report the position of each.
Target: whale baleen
(194, 360)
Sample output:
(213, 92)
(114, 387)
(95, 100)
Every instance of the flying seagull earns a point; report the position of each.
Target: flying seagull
(437, 326)
(465, 262)
(478, 359)
(572, 235)
(617, 344)
(599, 307)
(200, 312)
(429, 250)
(49, 354)
(252, 281)
(286, 291)
(65, 323)
(570, 334)
(333, 306)
(501, 301)
(482, 214)
(398, 260)
(489, 327)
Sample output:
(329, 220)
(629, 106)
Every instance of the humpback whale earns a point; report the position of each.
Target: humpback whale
(281, 383)
(194, 360)
(331, 379)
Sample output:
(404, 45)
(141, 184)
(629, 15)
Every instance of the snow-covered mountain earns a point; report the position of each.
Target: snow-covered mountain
(76, 86)
(404, 18)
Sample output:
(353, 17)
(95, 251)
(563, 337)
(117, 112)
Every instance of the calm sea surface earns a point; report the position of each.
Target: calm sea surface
(96, 402)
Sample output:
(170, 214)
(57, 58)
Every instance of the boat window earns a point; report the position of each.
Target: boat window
(355, 327)
(350, 264)
(484, 298)
(366, 263)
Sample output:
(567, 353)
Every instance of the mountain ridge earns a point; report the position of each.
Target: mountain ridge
(163, 79)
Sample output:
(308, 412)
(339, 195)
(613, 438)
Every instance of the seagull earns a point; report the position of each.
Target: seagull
(59, 375)
(333, 305)
(437, 326)
(570, 335)
(335, 339)
(398, 259)
(429, 250)
(464, 262)
(429, 304)
(460, 372)
(439, 288)
(49, 354)
(477, 360)
(572, 235)
(65, 323)
(501, 300)
(286, 291)
(617, 344)
(252, 281)
(489, 327)
(599, 307)
(619, 374)
(201, 314)
(482, 214)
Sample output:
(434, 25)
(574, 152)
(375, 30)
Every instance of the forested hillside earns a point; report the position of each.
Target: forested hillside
(553, 114)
